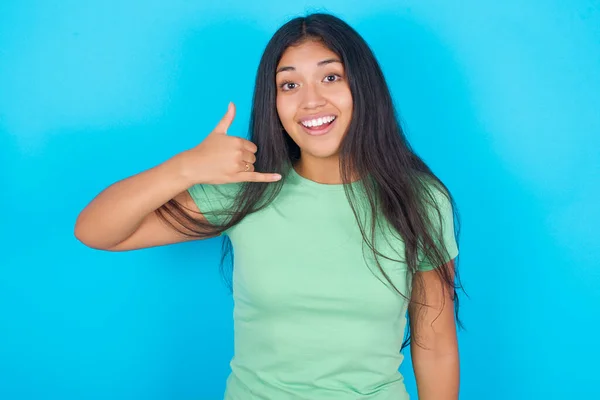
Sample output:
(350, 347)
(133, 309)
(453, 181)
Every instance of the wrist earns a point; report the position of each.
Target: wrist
(177, 169)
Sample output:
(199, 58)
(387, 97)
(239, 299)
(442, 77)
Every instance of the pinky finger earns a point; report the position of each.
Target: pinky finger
(259, 177)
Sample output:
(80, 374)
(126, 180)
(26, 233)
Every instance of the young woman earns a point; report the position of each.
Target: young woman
(339, 229)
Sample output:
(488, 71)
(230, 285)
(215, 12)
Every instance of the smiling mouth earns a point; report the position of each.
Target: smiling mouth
(320, 129)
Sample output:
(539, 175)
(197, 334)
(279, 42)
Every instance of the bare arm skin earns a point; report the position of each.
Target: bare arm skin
(123, 216)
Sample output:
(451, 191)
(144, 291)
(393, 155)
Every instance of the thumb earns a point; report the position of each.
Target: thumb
(226, 121)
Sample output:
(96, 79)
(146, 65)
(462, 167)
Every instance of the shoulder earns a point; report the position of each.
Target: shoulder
(215, 193)
(434, 193)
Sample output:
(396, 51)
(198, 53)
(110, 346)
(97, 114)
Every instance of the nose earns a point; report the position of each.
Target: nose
(313, 98)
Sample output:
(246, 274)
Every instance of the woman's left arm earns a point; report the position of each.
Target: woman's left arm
(434, 346)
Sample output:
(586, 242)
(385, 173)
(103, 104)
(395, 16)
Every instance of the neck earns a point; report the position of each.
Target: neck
(320, 170)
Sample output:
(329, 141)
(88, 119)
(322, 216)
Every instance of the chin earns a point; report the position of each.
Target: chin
(318, 147)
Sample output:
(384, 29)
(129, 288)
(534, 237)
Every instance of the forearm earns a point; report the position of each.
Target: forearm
(114, 214)
(437, 376)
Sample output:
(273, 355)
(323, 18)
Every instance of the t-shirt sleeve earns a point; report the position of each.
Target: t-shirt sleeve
(212, 200)
(444, 222)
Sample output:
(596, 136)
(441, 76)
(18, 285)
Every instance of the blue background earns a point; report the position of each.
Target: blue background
(503, 101)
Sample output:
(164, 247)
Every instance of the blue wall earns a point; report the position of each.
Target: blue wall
(503, 100)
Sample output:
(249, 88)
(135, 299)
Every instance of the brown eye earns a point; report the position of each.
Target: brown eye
(332, 78)
(287, 85)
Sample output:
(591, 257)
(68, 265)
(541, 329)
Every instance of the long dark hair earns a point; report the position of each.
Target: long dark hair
(400, 186)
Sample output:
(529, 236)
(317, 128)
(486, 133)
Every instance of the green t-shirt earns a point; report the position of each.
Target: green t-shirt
(312, 319)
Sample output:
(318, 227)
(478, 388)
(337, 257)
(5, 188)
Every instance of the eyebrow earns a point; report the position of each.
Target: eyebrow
(319, 64)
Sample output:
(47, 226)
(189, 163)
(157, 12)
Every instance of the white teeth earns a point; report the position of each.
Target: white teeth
(318, 122)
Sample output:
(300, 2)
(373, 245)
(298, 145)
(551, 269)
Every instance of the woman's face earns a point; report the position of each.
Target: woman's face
(314, 102)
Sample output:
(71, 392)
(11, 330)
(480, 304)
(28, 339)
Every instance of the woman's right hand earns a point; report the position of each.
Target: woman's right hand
(221, 158)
